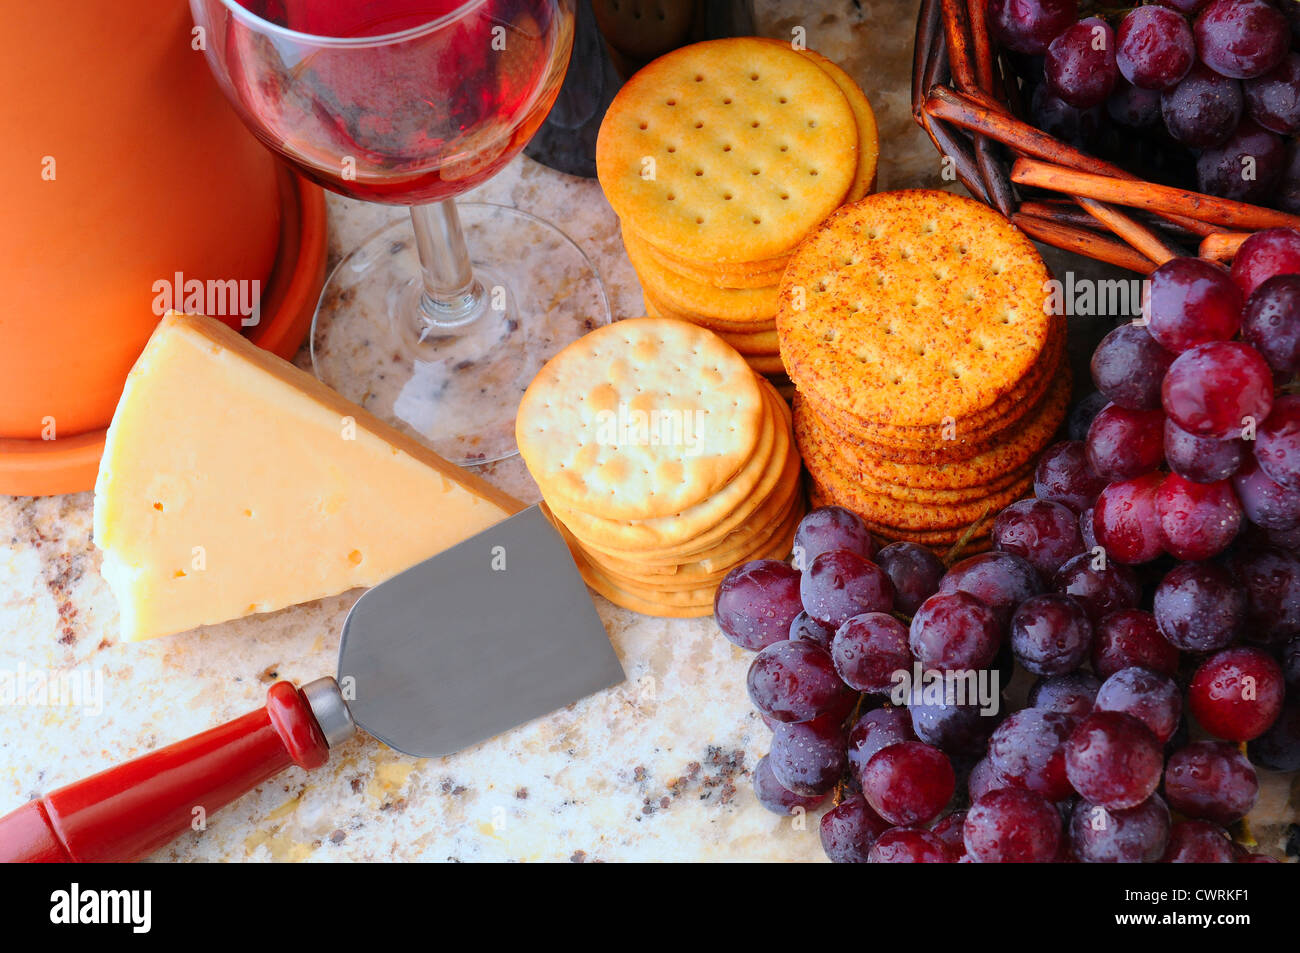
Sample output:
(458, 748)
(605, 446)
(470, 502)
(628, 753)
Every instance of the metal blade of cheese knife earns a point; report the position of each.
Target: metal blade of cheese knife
(492, 633)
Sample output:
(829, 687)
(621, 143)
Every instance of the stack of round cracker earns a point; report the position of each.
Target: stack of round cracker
(664, 459)
(929, 373)
(718, 159)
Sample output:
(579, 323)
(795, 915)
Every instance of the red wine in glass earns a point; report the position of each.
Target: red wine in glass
(428, 115)
(415, 102)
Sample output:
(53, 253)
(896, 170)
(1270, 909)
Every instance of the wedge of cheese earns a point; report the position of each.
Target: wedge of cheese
(232, 483)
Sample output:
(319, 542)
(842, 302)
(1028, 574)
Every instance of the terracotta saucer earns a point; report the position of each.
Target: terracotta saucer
(69, 464)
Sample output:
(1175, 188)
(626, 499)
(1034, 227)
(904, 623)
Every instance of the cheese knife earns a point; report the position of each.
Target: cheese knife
(483, 637)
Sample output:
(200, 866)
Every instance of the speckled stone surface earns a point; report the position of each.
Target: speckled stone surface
(657, 769)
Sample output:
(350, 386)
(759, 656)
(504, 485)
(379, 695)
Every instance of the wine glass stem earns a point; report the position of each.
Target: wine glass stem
(452, 296)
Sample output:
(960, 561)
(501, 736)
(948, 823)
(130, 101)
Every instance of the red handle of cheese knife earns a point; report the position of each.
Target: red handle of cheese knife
(128, 812)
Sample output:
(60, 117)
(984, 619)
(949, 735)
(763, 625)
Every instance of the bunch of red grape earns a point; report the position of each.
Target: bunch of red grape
(1218, 93)
(1144, 601)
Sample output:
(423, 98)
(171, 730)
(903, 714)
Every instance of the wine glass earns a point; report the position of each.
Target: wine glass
(413, 102)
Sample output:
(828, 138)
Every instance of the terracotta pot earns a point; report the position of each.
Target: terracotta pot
(123, 165)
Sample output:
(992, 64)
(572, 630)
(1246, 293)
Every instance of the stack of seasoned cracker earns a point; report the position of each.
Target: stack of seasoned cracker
(664, 459)
(719, 158)
(929, 373)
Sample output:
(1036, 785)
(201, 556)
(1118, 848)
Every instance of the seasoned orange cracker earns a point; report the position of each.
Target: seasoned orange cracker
(910, 307)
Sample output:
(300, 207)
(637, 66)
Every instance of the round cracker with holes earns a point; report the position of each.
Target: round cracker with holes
(686, 295)
(641, 418)
(775, 443)
(913, 307)
(728, 150)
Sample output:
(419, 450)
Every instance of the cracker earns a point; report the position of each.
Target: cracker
(706, 400)
(864, 180)
(766, 363)
(718, 276)
(657, 308)
(658, 532)
(770, 134)
(911, 307)
(764, 504)
(688, 296)
(752, 342)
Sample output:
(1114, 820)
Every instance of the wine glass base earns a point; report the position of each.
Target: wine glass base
(455, 389)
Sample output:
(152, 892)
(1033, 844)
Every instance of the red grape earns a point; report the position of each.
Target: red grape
(1082, 413)
(1264, 255)
(1273, 99)
(1277, 445)
(1028, 751)
(839, 585)
(954, 631)
(1237, 694)
(1081, 128)
(1200, 607)
(1242, 38)
(1202, 459)
(1127, 522)
(1190, 301)
(1204, 109)
(808, 757)
(1080, 66)
(1072, 694)
(1028, 26)
(915, 572)
(908, 845)
(757, 602)
(1211, 780)
(949, 830)
(1278, 749)
(1187, 7)
(1012, 826)
(1291, 662)
(1114, 760)
(849, 829)
(1149, 696)
(1131, 637)
(1128, 365)
(999, 580)
(1271, 577)
(1043, 533)
(956, 729)
(1100, 591)
(806, 628)
(1246, 167)
(1197, 520)
(1123, 444)
(983, 779)
(829, 528)
(1156, 47)
(775, 798)
(1215, 389)
(796, 681)
(1137, 835)
(868, 649)
(1266, 503)
(908, 783)
(1134, 107)
(1064, 476)
(1271, 323)
(1198, 842)
(1050, 634)
(878, 729)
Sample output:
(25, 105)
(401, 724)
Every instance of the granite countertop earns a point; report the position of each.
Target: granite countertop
(656, 769)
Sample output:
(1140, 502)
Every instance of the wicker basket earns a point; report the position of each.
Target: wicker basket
(966, 97)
